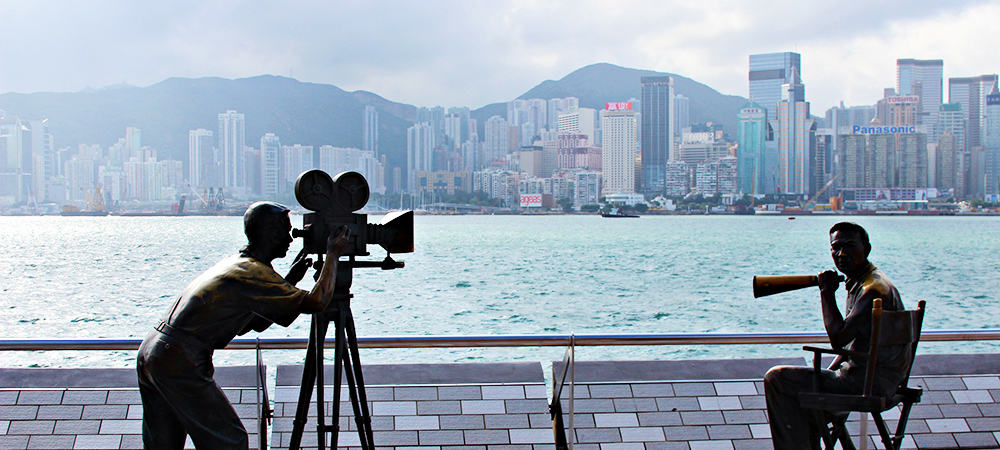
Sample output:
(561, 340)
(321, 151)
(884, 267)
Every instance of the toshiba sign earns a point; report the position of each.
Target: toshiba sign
(618, 106)
(903, 99)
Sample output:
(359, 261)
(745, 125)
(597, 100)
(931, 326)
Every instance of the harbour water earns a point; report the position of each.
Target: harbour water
(112, 277)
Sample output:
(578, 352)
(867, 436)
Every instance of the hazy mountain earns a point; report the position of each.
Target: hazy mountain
(598, 84)
(299, 113)
(303, 113)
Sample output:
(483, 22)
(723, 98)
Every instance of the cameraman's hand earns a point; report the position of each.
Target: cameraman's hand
(301, 264)
(337, 242)
(828, 281)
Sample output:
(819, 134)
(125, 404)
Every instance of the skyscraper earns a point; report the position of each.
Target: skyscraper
(271, 180)
(925, 79)
(231, 143)
(795, 134)
(951, 160)
(682, 113)
(971, 93)
(201, 159)
(768, 73)
(371, 130)
(657, 135)
(41, 157)
(992, 144)
(751, 132)
(618, 152)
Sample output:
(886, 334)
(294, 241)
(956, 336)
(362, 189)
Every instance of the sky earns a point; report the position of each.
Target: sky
(472, 53)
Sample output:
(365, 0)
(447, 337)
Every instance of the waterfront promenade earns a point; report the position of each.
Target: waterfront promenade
(619, 405)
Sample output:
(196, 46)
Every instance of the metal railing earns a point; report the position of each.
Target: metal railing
(541, 340)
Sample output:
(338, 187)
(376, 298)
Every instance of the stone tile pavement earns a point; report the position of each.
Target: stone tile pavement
(432, 406)
(94, 408)
(619, 405)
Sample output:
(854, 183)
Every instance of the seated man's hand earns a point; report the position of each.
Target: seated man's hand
(829, 281)
(338, 240)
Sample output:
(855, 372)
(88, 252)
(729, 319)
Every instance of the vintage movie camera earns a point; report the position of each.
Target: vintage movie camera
(334, 201)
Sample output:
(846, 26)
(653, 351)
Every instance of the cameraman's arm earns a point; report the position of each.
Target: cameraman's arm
(322, 292)
(301, 264)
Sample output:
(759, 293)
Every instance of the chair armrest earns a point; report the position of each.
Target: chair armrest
(832, 351)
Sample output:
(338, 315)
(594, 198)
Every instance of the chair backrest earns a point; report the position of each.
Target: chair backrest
(893, 328)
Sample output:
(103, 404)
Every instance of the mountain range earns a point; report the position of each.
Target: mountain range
(305, 113)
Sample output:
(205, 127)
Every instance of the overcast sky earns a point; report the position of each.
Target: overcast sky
(471, 53)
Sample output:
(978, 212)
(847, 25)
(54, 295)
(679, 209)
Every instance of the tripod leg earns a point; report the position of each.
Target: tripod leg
(338, 365)
(364, 418)
(321, 329)
(305, 390)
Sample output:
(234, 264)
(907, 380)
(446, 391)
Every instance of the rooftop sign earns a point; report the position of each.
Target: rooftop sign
(618, 106)
(903, 99)
(905, 129)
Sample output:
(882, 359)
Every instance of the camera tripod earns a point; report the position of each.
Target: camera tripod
(347, 364)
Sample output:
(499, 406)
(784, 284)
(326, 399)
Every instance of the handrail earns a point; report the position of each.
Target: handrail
(529, 340)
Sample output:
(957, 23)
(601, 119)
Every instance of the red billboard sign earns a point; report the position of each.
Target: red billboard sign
(531, 201)
(618, 106)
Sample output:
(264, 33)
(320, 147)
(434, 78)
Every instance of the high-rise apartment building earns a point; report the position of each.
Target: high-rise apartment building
(496, 140)
(971, 93)
(581, 120)
(949, 163)
(371, 130)
(530, 116)
(463, 114)
(296, 159)
(768, 73)
(751, 132)
(795, 134)
(231, 143)
(453, 132)
(884, 160)
(557, 106)
(419, 152)
(618, 153)
(657, 133)
(202, 167)
(271, 179)
(924, 79)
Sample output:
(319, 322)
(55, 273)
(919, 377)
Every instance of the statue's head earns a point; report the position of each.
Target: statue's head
(849, 246)
(268, 228)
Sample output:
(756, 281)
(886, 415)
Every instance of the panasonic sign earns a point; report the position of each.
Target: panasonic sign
(906, 129)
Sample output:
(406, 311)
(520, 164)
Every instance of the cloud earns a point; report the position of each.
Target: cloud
(472, 53)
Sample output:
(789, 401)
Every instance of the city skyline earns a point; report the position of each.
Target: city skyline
(844, 45)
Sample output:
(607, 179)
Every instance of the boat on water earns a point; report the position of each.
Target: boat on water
(618, 214)
(66, 213)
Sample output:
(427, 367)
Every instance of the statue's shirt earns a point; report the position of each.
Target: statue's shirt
(862, 290)
(222, 301)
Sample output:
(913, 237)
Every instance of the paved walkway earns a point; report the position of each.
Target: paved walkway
(620, 405)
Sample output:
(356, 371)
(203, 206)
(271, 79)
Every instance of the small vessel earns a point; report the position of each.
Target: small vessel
(95, 206)
(617, 213)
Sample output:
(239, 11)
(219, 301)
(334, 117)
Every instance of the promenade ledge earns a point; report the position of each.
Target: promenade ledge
(618, 405)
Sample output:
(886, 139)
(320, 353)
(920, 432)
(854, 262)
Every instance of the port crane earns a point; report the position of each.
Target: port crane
(812, 201)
